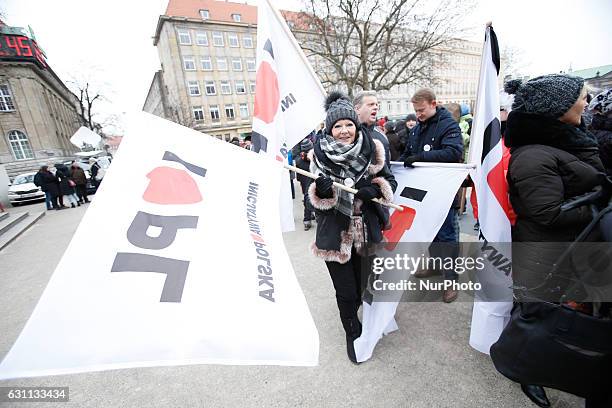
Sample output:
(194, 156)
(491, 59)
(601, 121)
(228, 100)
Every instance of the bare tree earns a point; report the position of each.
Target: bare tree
(513, 62)
(377, 44)
(86, 98)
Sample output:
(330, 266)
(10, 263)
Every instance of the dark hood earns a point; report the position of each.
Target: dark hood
(527, 129)
(601, 122)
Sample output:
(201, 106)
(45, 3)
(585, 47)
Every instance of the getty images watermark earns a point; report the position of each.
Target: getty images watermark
(489, 272)
(411, 264)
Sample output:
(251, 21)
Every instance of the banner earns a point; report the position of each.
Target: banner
(486, 151)
(288, 96)
(426, 194)
(178, 260)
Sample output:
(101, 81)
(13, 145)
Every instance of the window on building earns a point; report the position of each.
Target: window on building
(399, 106)
(222, 64)
(214, 113)
(201, 38)
(232, 39)
(20, 145)
(226, 88)
(6, 100)
(204, 14)
(206, 63)
(194, 88)
(252, 87)
(189, 64)
(240, 89)
(210, 88)
(247, 41)
(244, 110)
(236, 17)
(184, 37)
(217, 39)
(236, 64)
(250, 64)
(198, 113)
(229, 111)
(388, 106)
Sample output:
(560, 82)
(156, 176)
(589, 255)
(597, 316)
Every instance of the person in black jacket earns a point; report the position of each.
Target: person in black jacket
(347, 155)
(437, 138)
(366, 106)
(302, 162)
(49, 184)
(601, 126)
(553, 160)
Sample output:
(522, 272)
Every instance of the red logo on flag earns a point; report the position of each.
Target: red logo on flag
(267, 95)
(171, 186)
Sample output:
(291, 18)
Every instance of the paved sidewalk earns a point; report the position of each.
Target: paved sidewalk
(427, 363)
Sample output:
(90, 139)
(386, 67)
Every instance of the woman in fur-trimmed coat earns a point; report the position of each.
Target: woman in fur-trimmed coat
(345, 222)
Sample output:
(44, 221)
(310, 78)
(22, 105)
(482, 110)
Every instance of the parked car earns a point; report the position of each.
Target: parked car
(23, 190)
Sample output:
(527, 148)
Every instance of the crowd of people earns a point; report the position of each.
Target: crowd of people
(550, 158)
(67, 185)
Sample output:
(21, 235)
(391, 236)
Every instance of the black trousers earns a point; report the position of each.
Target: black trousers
(308, 208)
(348, 280)
(81, 191)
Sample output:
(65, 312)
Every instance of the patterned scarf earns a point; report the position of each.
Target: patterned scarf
(341, 162)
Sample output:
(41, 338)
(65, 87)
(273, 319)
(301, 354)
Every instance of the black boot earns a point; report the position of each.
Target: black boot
(352, 327)
(72, 205)
(536, 394)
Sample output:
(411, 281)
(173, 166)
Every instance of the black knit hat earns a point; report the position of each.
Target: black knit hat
(305, 145)
(338, 106)
(547, 95)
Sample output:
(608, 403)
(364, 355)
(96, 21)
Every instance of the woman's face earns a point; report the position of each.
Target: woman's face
(344, 131)
(574, 114)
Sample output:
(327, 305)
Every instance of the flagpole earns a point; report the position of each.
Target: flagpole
(467, 166)
(291, 37)
(341, 186)
(488, 25)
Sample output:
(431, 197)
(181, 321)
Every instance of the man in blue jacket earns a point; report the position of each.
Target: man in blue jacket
(436, 138)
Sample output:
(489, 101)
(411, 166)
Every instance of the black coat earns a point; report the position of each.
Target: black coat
(375, 134)
(551, 163)
(63, 175)
(602, 129)
(336, 232)
(47, 182)
(443, 136)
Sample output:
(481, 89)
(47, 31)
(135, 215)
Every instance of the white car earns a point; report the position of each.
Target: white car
(23, 190)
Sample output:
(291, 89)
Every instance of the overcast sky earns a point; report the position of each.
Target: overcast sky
(111, 40)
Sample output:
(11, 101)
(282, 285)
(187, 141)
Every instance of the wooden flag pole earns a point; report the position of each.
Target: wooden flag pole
(341, 186)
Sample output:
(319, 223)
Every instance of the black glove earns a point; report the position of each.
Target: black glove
(409, 160)
(369, 192)
(324, 187)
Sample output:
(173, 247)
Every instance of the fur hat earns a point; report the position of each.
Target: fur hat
(338, 106)
(547, 95)
(411, 117)
(602, 103)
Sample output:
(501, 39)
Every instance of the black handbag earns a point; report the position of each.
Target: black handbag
(555, 346)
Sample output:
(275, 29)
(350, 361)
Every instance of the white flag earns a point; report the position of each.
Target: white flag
(487, 152)
(288, 96)
(186, 265)
(85, 135)
(426, 194)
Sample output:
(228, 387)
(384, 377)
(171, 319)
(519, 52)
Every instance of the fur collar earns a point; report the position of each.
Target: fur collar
(527, 129)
